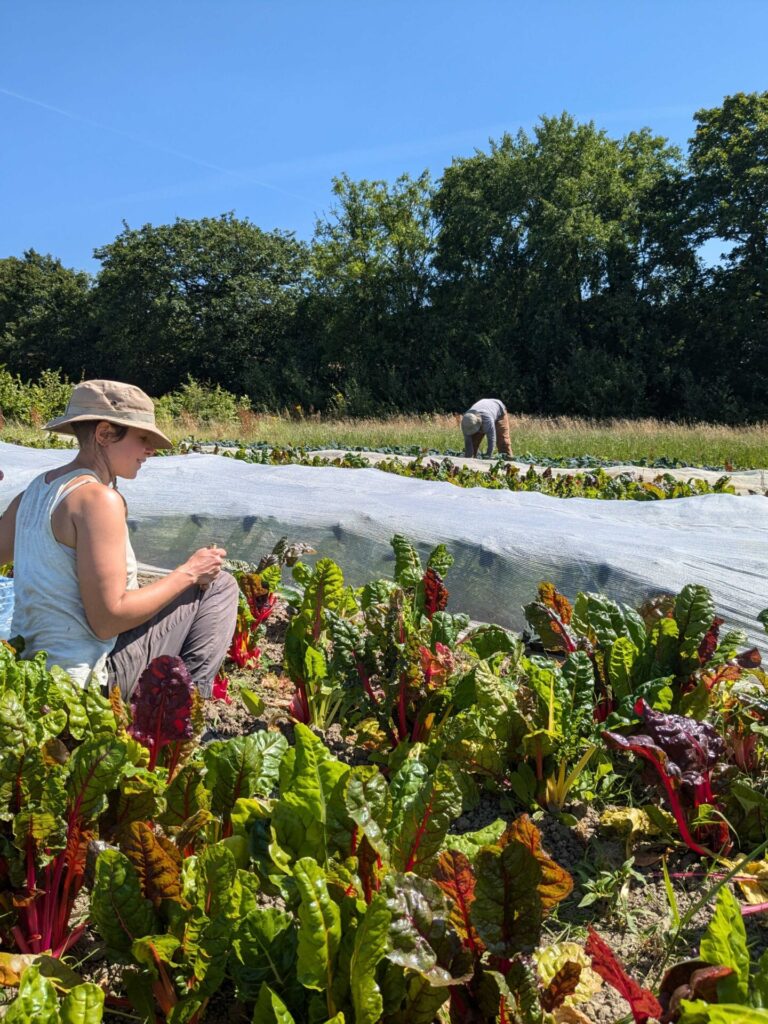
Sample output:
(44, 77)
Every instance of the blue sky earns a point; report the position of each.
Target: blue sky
(145, 112)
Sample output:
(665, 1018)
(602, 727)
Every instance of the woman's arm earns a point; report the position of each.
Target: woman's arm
(98, 515)
(8, 530)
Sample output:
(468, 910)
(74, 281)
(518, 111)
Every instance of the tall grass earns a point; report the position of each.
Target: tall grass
(540, 437)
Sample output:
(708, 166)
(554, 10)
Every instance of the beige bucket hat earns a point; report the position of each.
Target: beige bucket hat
(470, 423)
(122, 404)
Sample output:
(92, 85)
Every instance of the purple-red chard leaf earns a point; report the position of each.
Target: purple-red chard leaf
(691, 979)
(693, 747)
(709, 642)
(683, 752)
(642, 1002)
(435, 593)
(161, 706)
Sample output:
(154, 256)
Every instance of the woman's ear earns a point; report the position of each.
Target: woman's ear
(104, 433)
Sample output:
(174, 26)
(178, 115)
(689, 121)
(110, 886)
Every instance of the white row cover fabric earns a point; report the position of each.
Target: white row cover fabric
(504, 543)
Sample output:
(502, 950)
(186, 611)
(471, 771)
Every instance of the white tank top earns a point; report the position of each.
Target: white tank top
(48, 610)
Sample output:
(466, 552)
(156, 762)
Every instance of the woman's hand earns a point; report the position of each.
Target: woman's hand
(204, 565)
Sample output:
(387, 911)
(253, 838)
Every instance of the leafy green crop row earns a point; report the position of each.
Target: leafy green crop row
(503, 476)
(313, 890)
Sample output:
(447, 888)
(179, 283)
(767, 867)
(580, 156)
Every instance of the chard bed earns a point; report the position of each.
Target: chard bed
(431, 872)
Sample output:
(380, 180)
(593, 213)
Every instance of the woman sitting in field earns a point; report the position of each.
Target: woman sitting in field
(77, 595)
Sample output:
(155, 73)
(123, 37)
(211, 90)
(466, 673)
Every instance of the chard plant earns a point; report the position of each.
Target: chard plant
(395, 656)
(723, 985)
(165, 710)
(684, 754)
(670, 653)
(61, 760)
(38, 1000)
(308, 642)
(259, 587)
(171, 919)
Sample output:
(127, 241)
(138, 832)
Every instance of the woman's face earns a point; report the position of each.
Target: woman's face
(127, 456)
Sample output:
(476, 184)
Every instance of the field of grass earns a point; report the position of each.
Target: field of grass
(542, 438)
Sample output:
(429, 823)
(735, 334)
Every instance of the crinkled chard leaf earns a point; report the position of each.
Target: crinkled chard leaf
(264, 952)
(456, 878)
(36, 1002)
(424, 820)
(161, 705)
(421, 936)
(156, 860)
(119, 910)
(245, 766)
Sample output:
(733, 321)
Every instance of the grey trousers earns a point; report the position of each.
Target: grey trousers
(197, 626)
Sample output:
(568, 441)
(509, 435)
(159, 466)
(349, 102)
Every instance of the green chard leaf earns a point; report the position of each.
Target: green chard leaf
(446, 628)
(507, 910)
(186, 795)
(621, 658)
(84, 1004)
(242, 767)
(264, 953)
(759, 983)
(300, 818)
(325, 589)
(408, 570)
(424, 820)
(119, 910)
(699, 1012)
(369, 949)
(95, 767)
(210, 881)
(319, 926)
(725, 942)
(694, 612)
(486, 641)
(440, 560)
(36, 1002)
(369, 805)
(270, 1009)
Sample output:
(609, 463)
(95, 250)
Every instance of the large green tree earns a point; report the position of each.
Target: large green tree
(729, 202)
(44, 320)
(371, 278)
(215, 298)
(557, 253)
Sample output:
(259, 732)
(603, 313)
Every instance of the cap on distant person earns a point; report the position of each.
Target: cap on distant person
(470, 423)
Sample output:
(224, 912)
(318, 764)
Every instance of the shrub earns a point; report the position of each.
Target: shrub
(33, 403)
(202, 402)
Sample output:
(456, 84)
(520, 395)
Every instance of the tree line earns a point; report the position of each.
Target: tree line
(559, 270)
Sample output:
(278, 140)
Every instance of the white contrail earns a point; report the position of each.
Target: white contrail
(152, 145)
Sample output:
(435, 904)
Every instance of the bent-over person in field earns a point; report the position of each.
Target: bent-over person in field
(486, 418)
(76, 586)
